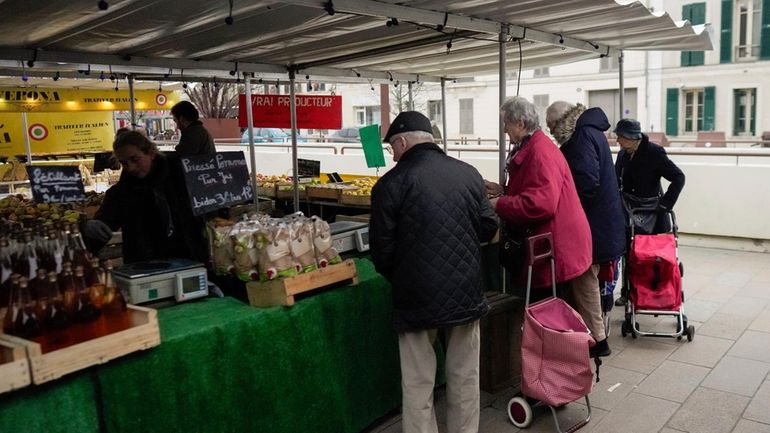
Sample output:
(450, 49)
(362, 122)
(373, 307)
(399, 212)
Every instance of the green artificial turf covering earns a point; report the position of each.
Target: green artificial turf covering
(327, 364)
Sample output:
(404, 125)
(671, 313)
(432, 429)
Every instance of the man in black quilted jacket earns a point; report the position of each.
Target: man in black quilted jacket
(430, 214)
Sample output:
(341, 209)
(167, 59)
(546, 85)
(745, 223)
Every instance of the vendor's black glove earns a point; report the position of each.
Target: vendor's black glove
(96, 234)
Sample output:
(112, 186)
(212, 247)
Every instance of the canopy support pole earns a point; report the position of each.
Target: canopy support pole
(622, 89)
(294, 163)
(132, 107)
(27, 144)
(501, 136)
(252, 154)
(443, 112)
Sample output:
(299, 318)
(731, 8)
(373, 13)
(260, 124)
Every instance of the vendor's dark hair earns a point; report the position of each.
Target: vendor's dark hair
(185, 109)
(135, 138)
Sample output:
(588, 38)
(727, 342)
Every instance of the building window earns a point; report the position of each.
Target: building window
(693, 111)
(434, 111)
(366, 115)
(748, 21)
(541, 105)
(745, 112)
(608, 64)
(466, 116)
(541, 72)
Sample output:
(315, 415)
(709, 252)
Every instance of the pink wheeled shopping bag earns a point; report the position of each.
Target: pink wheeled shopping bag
(555, 366)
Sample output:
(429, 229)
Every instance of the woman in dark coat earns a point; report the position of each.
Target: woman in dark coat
(149, 204)
(640, 166)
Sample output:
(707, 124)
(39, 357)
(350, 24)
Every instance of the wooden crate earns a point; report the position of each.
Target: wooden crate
(320, 192)
(14, 365)
(282, 291)
(500, 360)
(266, 190)
(287, 192)
(356, 200)
(143, 333)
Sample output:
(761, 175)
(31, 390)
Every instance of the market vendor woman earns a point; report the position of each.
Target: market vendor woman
(149, 204)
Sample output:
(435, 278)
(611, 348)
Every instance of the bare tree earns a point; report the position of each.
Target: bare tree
(215, 100)
(399, 98)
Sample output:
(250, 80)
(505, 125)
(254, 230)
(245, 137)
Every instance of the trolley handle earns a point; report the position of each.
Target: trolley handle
(533, 241)
(669, 212)
(545, 239)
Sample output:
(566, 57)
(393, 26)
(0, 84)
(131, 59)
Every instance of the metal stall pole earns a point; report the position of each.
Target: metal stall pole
(294, 164)
(622, 90)
(252, 153)
(27, 143)
(443, 112)
(501, 137)
(132, 107)
(411, 100)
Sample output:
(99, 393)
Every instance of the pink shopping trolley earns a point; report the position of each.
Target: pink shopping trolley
(555, 364)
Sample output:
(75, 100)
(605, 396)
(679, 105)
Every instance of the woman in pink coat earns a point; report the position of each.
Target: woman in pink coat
(540, 197)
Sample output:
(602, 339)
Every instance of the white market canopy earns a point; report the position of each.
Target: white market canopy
(343, 40)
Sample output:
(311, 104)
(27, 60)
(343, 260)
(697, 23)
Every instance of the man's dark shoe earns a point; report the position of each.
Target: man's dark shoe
(600, 349)
(621, 301)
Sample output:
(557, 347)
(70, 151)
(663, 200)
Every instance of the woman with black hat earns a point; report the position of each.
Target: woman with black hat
(639, 166)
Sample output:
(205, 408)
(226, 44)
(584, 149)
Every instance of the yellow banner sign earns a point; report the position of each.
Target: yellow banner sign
(35, 99)
(56, 132)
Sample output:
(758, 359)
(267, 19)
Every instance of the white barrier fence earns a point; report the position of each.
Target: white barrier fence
(726, 192)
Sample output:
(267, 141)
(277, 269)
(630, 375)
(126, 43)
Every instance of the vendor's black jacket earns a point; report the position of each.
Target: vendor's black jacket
(195, 140)
(588, 154)
(154, 215)
(641, 174)
(429, 215)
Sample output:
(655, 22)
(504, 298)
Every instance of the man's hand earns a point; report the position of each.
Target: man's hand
(493, 202)
(493, 189)
(97, 231)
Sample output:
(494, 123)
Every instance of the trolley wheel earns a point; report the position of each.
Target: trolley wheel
(520, 412)
(690, 332)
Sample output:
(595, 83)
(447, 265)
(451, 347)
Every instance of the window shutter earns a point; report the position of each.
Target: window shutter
(726, 33)
(764, 48)
(708, 108)
(736, 111)
(685, 55)
(672, 111)
(697, 16)
(753, 102)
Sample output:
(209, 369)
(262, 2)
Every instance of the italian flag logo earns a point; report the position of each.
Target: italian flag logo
(38, 131)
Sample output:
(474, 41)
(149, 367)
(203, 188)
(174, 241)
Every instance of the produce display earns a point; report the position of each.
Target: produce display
(363, 186)
(18, 209)
(263, 248)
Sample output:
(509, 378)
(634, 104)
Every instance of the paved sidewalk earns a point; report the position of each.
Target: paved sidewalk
(718, 383)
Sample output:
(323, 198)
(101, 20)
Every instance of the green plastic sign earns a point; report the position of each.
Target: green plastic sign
(372, 143)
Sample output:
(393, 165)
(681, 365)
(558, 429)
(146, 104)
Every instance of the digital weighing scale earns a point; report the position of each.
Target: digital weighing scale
(150, 281)
(350, 236)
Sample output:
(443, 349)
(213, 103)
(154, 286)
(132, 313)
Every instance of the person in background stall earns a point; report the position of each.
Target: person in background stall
(580, 135)
(430, 214)
(639, 166)
(540, 197)
(195, 139)
(149, 204)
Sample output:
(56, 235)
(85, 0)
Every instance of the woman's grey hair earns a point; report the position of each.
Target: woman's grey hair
(518, 108)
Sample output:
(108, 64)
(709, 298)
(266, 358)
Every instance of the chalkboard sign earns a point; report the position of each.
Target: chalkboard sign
(56, 184)
(308, 168)
(216, 181)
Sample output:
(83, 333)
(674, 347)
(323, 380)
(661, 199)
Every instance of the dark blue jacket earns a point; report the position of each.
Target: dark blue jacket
(641, 174)
(590, 160)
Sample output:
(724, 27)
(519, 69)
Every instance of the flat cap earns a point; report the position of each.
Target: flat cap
(408, 121)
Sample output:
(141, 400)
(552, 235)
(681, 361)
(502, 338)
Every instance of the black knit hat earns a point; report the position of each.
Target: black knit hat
(629, 128)
(408, 121)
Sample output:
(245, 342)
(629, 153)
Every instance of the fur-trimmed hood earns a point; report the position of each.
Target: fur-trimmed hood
(565, 126)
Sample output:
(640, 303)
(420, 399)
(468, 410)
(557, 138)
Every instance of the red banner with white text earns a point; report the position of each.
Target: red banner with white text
(313, 111)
